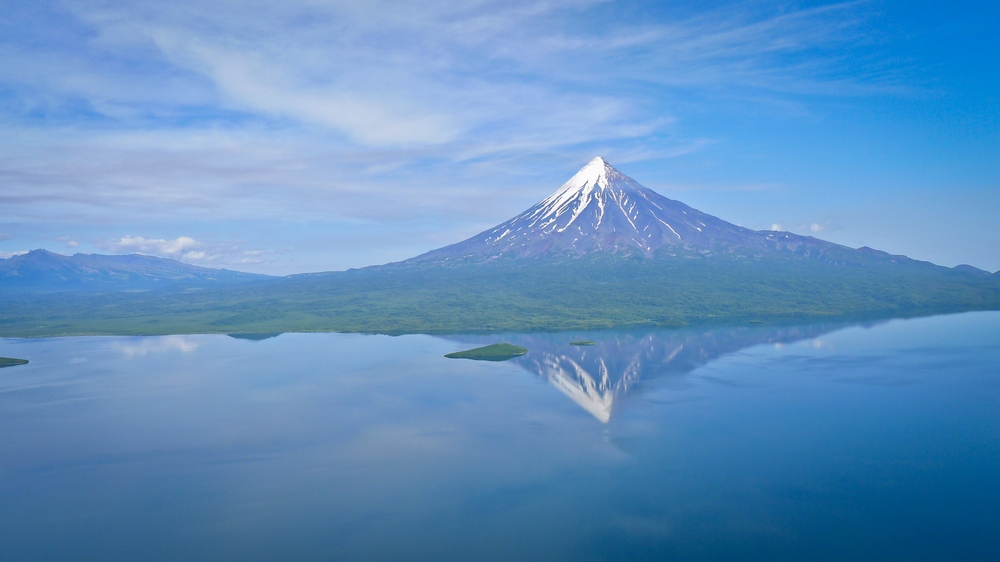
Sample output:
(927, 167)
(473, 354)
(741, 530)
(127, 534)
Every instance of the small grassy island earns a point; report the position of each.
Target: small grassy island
(11, 362)
(495, 352)
(581, 342)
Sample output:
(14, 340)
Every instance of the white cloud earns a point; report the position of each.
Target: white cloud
(187, 249)
(777, 226)
(154, 246)
(69, 241)
(5, 255)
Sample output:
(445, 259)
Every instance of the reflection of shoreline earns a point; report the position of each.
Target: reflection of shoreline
(597, 377)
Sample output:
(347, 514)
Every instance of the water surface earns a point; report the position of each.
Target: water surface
(816, 442)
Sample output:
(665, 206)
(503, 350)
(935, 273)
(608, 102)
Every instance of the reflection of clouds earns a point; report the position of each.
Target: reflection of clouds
(139, 347)
(818, 344)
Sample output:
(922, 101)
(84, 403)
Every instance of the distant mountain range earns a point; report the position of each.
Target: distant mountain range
(44, 271)
(601, 252)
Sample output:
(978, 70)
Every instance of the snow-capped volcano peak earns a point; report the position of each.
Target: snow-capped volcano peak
(602, 210)
(596, 175)
(589, 195)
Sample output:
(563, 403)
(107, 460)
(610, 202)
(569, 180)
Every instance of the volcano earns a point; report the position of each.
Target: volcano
(601, 210)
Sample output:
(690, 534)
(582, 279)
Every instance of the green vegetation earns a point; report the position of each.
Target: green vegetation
(581, 342)
(566, 294)
(495, 352)
(10, 362)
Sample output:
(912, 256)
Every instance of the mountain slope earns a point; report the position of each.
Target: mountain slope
(44, 271)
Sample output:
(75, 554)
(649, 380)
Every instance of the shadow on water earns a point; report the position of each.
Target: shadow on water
(598, 376)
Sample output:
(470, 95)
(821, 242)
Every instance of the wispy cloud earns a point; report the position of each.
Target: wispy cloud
(473, 81)
(68, 241)
(253, 84)
(388, 73)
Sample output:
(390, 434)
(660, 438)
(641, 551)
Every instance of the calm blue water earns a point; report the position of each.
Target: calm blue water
(821, 442)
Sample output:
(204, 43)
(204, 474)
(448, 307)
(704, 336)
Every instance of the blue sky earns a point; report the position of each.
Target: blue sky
(305, 135)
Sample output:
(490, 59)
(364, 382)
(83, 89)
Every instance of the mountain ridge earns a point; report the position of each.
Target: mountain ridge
(44, 271)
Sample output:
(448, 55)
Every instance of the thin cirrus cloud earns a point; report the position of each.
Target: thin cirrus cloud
(209, 103)
(261, 86)
(390, 74)
(301, 58)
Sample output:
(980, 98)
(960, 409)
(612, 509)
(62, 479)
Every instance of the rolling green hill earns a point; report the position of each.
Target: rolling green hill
(563, 293)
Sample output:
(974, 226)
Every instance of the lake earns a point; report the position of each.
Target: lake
(876, 441)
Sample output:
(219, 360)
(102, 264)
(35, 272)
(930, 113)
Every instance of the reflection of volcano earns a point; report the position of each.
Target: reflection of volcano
(597, 376)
